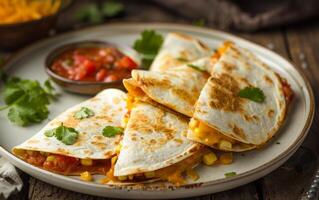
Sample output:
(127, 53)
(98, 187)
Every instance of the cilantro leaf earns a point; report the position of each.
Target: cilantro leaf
(111, 131)
(252, 93)
(89, 13)
(84, 112)
(27, 101)
(64, 134)
(148, 46)
(112, 8)
(230, 174)
(198, 68)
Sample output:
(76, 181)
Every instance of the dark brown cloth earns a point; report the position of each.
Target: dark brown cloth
(247, 15)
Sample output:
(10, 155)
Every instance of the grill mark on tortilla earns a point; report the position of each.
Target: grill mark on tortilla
(229, 67)
(271, 113)
(62, 151)
(186, 96)
(238, 131)
(33, 141)
(224, 94)
(251, 118)
(268, 80)
(165, 83)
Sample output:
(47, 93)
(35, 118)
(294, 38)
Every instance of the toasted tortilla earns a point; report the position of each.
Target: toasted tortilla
(178, 49)
(177, 88)
(154, 139)
(243, 120)
(109, 107)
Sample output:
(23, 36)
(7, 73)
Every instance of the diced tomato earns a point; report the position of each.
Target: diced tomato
(111, 78)
(94, 64)
(101, 74)
(36, 160)
(126, 62)
(90, 66)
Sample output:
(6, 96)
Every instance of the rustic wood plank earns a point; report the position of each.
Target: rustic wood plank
(296, 174)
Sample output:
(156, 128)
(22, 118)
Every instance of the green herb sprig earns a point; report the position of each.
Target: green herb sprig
(253, 94)
(94, 14)
(26, 100)
(148, 46)
(111, 131)
(83, 113)
(64, 134)
(230, 174)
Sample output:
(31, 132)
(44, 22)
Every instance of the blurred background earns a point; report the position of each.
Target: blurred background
(24, 21)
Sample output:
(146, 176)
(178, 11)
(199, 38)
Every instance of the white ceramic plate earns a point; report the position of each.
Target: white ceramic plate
(29, 63)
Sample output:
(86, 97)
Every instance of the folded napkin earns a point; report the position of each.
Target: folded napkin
(247, 15)
(10, 180)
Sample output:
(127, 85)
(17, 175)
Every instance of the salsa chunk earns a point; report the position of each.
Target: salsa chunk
(93, 64)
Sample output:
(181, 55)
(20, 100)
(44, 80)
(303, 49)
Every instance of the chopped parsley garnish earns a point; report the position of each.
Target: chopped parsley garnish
(93, 13)
(111, 131)
(230, 174)
(148, 46)
(64, 134)
(277, 142)
(196, 67)
(112, 8)
(253, 94)
(83, 113)
(26, 100)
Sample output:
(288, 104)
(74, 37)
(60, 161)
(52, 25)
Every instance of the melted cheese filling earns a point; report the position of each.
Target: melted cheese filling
(173, 174)
(211, 137)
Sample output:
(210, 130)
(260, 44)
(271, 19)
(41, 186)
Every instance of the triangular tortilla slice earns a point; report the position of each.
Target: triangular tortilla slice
(178, 49)
(177, 88)
(226, 121)
(92, 151)
(155, 146)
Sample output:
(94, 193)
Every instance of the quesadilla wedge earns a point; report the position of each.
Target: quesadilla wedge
(242, 105)
(177, 88)
(155, 147)
(179, 49)
(73, 142)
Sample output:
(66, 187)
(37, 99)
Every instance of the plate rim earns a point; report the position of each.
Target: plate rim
(201, 30)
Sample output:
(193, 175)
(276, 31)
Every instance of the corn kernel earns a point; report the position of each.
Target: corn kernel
(50, 158)
(197, 131)
(226, 158)
(192, 174)
(86, 162)
(209, 158)
(225, 145)
(122, 178)
(149, 174)
(193, 123)
(118, 148)
(86, 176)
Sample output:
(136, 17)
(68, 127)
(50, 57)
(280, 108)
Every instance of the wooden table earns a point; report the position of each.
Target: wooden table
(300, 45)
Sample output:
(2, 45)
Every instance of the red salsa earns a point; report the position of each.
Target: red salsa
(94, 64)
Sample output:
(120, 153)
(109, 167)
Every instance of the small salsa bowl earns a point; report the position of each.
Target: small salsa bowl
(80, 86)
